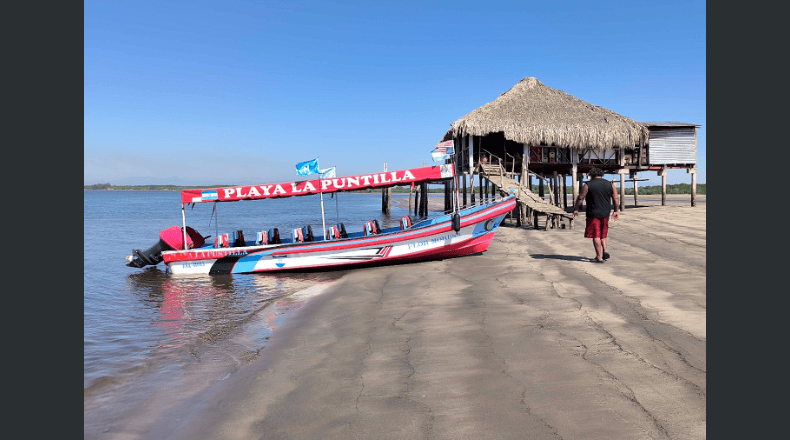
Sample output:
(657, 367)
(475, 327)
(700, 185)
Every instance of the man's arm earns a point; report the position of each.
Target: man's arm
(579, 199)
(616, 199)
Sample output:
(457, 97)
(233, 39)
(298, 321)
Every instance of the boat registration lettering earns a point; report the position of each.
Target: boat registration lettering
(444, 237)
(418, 244)
(434, 240)
(193, 264)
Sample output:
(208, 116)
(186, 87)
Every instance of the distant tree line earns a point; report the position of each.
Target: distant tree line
(98, 186)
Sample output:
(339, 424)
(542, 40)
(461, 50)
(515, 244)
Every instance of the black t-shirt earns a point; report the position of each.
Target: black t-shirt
(599, 198)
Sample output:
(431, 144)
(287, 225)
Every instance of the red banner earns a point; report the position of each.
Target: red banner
(383, 179)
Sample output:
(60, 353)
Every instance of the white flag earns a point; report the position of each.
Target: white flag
(328, 173)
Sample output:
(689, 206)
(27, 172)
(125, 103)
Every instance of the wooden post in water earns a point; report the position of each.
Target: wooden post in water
(411, 190)
(424, 189)
(446, 195)
(464, 177)
(385, 197)
(416, 201)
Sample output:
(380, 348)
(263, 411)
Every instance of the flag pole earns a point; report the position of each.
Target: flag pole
(337, 207)
(323, 221)
(455, 177)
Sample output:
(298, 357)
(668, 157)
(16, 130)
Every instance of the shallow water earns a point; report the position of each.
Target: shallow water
(146, 330)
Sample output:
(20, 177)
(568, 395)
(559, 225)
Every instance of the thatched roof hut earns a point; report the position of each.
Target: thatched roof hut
(533, 114)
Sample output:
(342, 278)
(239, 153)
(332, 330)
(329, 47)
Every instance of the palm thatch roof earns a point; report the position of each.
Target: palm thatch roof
(534, 114)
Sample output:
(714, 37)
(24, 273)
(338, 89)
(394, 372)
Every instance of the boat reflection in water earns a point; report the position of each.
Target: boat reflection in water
(201, 330)
(196, 310)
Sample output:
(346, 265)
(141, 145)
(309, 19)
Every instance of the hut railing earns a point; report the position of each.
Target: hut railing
(499, 163)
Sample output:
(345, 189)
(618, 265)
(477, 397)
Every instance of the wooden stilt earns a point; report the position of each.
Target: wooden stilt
(411, 190)
(425, 200)
(472, 186)
(556, 182)
(622, 191)
(524, 163)
(464, 179)
(663, 174)
(416, 201)
(693, 186)
(575, 182)
(385, 197)
(448, 196)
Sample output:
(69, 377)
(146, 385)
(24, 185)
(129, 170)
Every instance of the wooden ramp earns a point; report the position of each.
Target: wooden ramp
(537, 206)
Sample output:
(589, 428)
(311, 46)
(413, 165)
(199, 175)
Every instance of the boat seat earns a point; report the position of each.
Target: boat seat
(221, 241)
(274, 236)
(372, 228)
(262, 238)
(405, 223)
(307, 233)
(332, 233)
(238, 239)
(298, 235)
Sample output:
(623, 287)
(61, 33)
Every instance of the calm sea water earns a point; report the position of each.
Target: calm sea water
(146, 330)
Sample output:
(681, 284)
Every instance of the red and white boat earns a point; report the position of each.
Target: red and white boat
(465, 231)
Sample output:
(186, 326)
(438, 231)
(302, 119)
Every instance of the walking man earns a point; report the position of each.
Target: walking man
(599, 194)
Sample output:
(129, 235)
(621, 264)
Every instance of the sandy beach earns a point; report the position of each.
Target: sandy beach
(527, 340)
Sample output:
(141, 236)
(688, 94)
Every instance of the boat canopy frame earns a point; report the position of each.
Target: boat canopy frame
(384, 179)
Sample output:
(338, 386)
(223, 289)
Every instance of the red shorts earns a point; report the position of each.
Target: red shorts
(596, 227)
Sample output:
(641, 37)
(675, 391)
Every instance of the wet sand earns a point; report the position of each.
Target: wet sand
(527, 340)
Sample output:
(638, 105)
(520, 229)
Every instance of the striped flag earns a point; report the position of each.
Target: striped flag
(445, 147)
(443, 151)
(209, 195)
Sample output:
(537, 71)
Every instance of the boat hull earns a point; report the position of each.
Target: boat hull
(427, 240)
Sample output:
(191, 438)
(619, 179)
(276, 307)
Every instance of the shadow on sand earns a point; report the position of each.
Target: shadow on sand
(559, 257)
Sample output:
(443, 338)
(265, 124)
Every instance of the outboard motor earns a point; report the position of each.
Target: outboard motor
(149, 257)
(171, 238)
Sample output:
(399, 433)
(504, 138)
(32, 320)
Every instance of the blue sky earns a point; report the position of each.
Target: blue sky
(202, 93)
